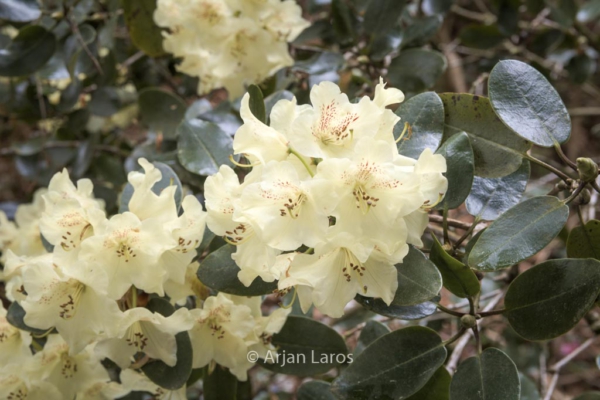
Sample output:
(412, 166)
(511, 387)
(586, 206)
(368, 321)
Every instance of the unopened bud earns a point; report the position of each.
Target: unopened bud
(582, 198)
(588, 169)
(468, 321)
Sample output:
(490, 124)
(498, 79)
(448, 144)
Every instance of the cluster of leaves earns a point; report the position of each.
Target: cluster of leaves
(122, 84)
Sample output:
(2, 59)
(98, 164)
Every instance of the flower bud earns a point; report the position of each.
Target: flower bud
(468, 321)
(582, 198)
(588, 169)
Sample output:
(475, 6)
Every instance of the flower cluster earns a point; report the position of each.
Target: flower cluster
(85, 299)
(229, 43)
(330, 206)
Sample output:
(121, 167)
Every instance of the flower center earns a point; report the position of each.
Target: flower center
(292, 207)
(136, 336)
(353, 269)
(69, 308)
(332, 127)
(7, 332)
(239, 234)
(69, 366)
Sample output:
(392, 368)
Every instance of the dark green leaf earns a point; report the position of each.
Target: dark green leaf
(459, 279)
(588, 396)
(139, 17)
(481, 36)
(220, 384)
(437, 388)
(307, 347)
(546, 41)
(372, 331)
(418, 279)
(417, 311)
(491, 376)
(508, 16)
(436, 7)
(19, 10)
(381, 16)
(527, 103)
(416, 70)
(321, 66)
(384, 44)
(519, 233)
(584, 241)
(162, 111)
(15, 315)
(202, 147)
(460, 170)
(315, 390)
(497, 150)
(157, 371)
(343, 21)
(395, 366)
(169, 177)
(219, 272)
(30, 147)
(425, 114)
(581, 68)
(257, 103)
(28, 51)
(490, 197)
(563, 11)
(421, 30)
(547, 300)
(105, 102)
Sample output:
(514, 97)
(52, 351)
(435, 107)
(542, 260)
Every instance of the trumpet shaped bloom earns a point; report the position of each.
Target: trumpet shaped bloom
(14, 343)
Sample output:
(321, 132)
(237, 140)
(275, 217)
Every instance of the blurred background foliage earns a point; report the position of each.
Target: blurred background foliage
(86, 84)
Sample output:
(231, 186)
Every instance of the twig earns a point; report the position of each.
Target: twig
(451, 222)
(77, 33)
(584, 111)
(569, 357)
(549, 167)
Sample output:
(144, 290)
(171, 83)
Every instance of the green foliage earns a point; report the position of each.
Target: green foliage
(28, 51)
(142, 29)
(425, 115)
(584, 241)
(489, 376)
(460, 163)
(547, 300)
(202, 146)
(436, 388)
(458, 278)
(161, 111)
(416, 70)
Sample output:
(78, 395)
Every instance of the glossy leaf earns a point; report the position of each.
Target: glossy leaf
(372, 331)
(490, 376)
(169, 177)
(315, 390)
(527, 103)
(519, 233)
(299, 353)
(425, 114)
(418, 279)
(202, 146)
(396, 365)
(416, 70)
(218, 271)
(19, 10)
(413, 312)
(490, 197)
(343, 21)
(497, 150)
(28, 51)
(381, 16)
(547, 300)
(459, 279)
(460, 170)
(584, 241)
(421, 30)
(144, 33)
(437, 388)
(481, 36)
(157, 371)
(162, 111)
(257, 103)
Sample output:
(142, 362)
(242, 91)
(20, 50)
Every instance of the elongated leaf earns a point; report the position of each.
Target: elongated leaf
(315, 390)
(218, 271)
(306, 347)
(381, 16)
(372, 331)
(527, 103)
(416, 70)
(395, 366)
(459, 279)
(203, 147)
(491, 376)
(413, 312)
(162, 111)
(28, 51)
(425, 114)
(157, 371)
(19, 10)
(498, 151)
(418, 279)
(519, 233)
(139, 17)
(437, 388)
(257, 103)
(461, 168)
(219, 385)
(490, 197)
(481, 36)
(584, 241)
(547, 300)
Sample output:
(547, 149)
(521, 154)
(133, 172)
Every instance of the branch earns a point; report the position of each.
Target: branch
(451, 222)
